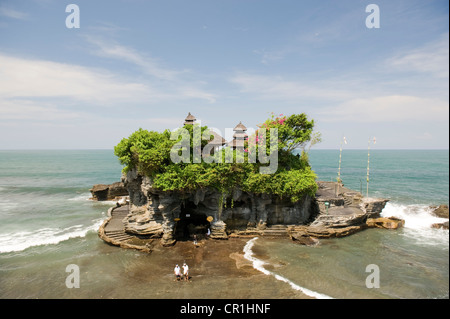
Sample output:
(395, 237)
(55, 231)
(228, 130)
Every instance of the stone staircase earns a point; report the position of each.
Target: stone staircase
(352, 199)
(118, 235)
(115, 228)
(348, 201)
(275, 231)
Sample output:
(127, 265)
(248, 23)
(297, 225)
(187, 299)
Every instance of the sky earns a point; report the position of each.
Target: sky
(145, 64)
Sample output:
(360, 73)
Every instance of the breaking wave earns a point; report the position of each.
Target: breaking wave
(81, 197)
(13, 242)
(418, 221)
(86, 197)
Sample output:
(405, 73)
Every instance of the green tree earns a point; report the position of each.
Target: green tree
(150, 153)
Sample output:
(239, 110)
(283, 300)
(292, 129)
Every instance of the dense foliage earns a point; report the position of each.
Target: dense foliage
(150, 154)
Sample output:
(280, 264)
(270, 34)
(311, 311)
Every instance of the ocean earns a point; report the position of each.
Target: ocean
(47, 223)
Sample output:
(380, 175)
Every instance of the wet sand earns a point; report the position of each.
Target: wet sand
(218, 270)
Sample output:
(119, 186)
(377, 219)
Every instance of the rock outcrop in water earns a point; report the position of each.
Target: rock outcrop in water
(339, 215)
(440, 211)
(102, 192)
(385, 222)
(173, 216)
(443, 225)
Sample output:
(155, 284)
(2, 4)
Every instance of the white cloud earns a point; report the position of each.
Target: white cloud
(32, 86)
(268, 57)
(195, 93)
(179, 82)
(347, 100)
(30, 110)
(27, 78)
(148, 64)
(395, 108)
(11, 13)
(426, 136)
(432, 58)
(277, 88)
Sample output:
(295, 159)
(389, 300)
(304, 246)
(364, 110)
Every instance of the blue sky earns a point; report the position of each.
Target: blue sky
(146, 64)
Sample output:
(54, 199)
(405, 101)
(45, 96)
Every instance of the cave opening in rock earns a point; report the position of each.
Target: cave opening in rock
(191, 222)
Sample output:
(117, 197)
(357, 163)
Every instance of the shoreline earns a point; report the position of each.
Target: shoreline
(225, 263)
(217, 270)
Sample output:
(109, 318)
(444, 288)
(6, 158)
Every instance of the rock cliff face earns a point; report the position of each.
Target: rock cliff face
(175, 216)
(334, 212)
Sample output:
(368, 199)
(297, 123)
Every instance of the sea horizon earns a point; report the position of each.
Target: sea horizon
(315, 149)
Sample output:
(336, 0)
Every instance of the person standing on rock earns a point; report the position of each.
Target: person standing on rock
(195, 240)
(177, 272)
(186, 272)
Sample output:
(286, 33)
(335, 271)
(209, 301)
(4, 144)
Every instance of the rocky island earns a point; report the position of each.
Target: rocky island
(177, 201)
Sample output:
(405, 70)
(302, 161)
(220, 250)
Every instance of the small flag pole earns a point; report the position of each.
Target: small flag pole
(339, 170)
(368, 164)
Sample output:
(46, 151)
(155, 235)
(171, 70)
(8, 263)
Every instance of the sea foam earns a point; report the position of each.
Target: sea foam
(259, 265)
(81, 197)
(86, 197)
(7, 206)
(13, 242)
(418, 221)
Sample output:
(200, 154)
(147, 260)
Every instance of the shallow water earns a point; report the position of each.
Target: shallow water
(338, 267)
(48, 223)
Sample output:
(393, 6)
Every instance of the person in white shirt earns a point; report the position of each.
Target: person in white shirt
(186, 272)
(177, 272)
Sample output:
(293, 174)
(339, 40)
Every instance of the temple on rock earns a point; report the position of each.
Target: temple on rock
(170, 215)
(190, 119)
(239, 137)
